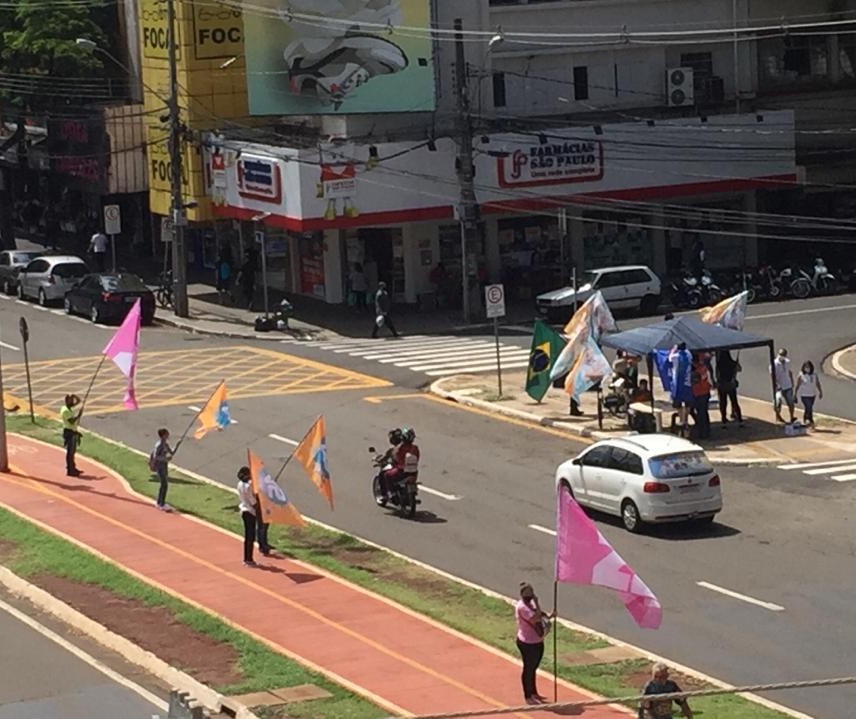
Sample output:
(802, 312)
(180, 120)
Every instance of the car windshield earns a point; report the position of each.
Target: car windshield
(70, 270)
(122, 283)
(680, 464)
(587, 278)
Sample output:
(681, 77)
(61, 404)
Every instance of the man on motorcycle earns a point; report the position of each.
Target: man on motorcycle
(405, 460)
(388, 458)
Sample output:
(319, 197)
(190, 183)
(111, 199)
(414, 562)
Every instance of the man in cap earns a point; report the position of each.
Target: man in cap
(70, 432)
(784, 384)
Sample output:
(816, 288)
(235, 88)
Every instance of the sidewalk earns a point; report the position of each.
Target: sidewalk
(844, 362)
(760, 441)
(404, 662)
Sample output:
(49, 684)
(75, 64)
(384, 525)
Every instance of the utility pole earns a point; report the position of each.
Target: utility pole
(468, 209)
(179, 218)
(4, 449)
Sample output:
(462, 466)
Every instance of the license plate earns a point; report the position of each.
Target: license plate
(690, 489)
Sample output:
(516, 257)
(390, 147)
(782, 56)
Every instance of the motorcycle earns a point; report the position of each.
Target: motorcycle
(710, 291)
(686, 292)
(769, 283)
(402, 492)
(823, 282)
(797, 284)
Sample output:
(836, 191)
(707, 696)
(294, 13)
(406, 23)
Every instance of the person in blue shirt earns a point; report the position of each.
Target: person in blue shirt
(681, 363)
(661, 684)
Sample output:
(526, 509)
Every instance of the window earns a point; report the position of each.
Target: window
(70, 270)
(634, 277)
(581, 87)
(700, 62)
(37, 266)
(682, 464)
(122, 283)
(499, 89)
(597, 457)
(610, 279)
(22, 258)
(625, 461)
(792, 60)
(4, 259)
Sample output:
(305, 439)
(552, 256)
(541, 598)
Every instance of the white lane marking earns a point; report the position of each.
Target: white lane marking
(809, 465)
(543, 530)
(10, 347)
(194, 408)
(480, 368)
(286, 440)
(464, 359)
(830, 470)
(742, 597)
(399, 348)
(844, 478)
(152, 699)
(456, 352)
(814, 311)
(454, 349)
(438, 493)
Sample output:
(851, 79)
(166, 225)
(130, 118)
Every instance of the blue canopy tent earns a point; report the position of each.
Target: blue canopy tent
(697, 335)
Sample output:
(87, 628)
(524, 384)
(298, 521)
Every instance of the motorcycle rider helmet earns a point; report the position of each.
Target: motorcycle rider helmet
(408, 434)
(395, 436)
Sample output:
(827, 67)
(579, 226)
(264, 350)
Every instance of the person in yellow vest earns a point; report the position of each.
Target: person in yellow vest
(70, 432)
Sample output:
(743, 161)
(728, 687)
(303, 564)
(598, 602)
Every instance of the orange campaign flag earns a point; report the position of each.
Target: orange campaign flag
(215, 413)
(312, 454)
(274, 506)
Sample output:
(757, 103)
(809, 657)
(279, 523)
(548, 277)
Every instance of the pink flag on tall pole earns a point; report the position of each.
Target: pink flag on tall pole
(123, 348)
(583, 556)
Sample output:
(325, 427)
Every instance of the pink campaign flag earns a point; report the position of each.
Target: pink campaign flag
(583, 556)
(122, 349)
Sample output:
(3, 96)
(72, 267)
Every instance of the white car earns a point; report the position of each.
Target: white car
(633, 287)
(644, 478)
(47, 279)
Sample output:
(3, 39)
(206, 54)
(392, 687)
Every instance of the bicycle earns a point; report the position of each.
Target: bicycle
(163, 294)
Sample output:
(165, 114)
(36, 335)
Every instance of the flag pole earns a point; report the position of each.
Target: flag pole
(89, 388)
(193, 421)
(289, 458)
(555, 642)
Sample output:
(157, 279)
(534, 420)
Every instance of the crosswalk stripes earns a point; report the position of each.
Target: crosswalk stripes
(840, 470)
(433, 355)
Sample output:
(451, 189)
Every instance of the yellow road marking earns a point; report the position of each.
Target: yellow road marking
(182, 377)
(33, 483)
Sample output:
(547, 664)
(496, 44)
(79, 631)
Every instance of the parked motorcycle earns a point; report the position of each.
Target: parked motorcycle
(711, 293)
(402, 492)
(686, 292)
(796, 284)
(822, 281)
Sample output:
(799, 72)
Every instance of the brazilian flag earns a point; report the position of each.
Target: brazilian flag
(546, 345)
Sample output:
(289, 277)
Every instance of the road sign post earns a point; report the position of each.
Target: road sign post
(113, 227)
(25, 338)
(494, 301)
(261, 241)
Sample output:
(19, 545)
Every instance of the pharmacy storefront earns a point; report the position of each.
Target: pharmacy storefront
(629, 193)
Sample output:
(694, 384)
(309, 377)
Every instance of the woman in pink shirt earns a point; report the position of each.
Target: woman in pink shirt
(532, 625)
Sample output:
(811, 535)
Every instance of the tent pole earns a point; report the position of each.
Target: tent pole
(650, 359)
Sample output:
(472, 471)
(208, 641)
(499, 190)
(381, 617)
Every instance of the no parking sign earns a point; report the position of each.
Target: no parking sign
(494, 300)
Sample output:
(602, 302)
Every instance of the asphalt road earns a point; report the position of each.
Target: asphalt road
(42, 680)
(783, 539)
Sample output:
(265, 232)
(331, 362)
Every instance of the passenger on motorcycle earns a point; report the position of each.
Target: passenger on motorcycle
(405, 460)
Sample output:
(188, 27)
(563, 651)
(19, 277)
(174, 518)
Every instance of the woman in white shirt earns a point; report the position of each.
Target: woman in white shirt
(808, 390)
(247, 507)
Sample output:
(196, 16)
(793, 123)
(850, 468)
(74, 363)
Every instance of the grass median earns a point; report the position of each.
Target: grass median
(467, 610)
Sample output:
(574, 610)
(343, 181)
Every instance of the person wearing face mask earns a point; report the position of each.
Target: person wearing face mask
(532, 625)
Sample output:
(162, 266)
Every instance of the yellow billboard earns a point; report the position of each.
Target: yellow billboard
(209, 34)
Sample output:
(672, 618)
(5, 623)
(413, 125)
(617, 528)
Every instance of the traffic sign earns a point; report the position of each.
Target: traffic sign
(112, 220)
(494, 299)
(24, 329)
(166, 229)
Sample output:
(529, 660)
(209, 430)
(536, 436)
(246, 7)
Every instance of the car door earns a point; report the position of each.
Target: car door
(81, 295)
(32, 275)
(590, 480)
(625, 468)
(639, 284)
(609, 284)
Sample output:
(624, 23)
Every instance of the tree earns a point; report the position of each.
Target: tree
(43, 67)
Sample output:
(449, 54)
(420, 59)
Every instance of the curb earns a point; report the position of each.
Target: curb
(127, 649)
(835, 361)
(584, 432)
(264, 336)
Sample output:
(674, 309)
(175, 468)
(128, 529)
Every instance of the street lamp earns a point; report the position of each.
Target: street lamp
(177, 209)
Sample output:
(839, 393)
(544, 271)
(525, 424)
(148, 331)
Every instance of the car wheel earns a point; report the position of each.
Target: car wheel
(66, 303)
(43, 299)
(94, 314)
(566, 485)
(7, 288)
(630, 516)
(649, 305)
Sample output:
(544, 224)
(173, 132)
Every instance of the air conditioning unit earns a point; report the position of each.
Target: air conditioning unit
(679, 87)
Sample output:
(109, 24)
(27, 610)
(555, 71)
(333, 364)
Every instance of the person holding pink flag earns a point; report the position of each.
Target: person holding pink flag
(583, 556)
(532, 625)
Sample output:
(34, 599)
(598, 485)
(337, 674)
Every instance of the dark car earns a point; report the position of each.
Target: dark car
(108, 297)
(11, 263)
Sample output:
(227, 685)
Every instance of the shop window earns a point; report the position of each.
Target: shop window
(499, 89)
(608, 243)
(581, 86)
(792, 60)
(847, 55)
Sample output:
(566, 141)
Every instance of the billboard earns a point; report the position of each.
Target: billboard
(313, 57)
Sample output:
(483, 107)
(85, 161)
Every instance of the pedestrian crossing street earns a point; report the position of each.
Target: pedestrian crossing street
(841, 470)
(432, 355)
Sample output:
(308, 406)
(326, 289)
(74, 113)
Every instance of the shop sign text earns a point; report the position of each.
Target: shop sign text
(554, 163)
(259, 179)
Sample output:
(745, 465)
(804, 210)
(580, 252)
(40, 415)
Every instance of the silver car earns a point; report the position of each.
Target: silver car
(11, 262)
(47, 279)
